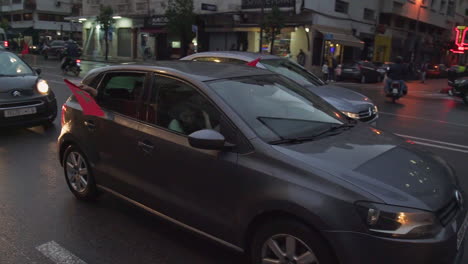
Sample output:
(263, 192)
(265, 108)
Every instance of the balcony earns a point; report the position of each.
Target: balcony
(252, 4)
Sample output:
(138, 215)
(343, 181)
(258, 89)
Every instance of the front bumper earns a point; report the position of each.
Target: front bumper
(46, 110)
(360, 248)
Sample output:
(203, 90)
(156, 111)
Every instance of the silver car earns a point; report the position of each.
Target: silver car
(352, 104)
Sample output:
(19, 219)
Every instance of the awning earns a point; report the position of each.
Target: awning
(342, 38)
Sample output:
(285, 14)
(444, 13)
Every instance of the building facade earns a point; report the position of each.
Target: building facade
(36, 20)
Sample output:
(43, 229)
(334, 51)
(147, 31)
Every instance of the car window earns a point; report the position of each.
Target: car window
(179, 107)
(276, 107)
(368, 64)
(121, 91)
(11, 65)
(293, 71)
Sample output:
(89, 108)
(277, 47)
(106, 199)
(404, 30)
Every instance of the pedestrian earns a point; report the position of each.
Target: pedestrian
(325, 72)
(331, 63)
(301, 58)
(424, 66)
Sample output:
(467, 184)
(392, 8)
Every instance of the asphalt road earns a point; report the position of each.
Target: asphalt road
(41, 221)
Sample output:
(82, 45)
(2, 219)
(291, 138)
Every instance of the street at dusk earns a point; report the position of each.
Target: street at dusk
(234, 132)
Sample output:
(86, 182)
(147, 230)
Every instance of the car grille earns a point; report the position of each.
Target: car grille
(20, 104)
(367, 115)
(448, 212)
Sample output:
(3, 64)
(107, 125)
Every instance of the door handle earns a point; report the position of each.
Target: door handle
(146, 146)
(90, 124)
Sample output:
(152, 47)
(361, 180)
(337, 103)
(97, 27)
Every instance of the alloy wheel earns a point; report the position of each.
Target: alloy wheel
(287, 249)
(77, 171)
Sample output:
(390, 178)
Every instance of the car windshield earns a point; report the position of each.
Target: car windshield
(57, 43)
(12, 65)
(293, 71)
(277, 108)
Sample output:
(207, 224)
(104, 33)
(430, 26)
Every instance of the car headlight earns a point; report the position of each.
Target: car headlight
(375, 109)
(351, 114)
(42, 87)
(398, 222)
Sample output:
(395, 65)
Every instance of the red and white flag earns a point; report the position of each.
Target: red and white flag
(254, 62)
(86, 101)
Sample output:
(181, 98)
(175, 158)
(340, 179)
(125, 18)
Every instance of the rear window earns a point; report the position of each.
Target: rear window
(57, 43)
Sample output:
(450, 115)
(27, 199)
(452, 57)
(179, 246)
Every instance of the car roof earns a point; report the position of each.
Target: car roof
(242, 55)
(201, 71)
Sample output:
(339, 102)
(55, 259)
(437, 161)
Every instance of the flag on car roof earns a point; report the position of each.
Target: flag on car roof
(86, 101)
(254, 62)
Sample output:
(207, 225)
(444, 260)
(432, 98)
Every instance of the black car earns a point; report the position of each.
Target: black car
(25, 99)
(257, 162)
(362, 71)
(56, 48)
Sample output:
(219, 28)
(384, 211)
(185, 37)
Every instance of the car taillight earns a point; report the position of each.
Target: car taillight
(6, 44)
(78, 61)
(64, 111)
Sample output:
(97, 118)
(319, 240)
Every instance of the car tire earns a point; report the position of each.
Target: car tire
(465, 98)
(307, 241)
(363, 79)
(78, 174)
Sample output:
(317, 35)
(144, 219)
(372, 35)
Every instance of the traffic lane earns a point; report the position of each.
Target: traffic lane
(37, 207)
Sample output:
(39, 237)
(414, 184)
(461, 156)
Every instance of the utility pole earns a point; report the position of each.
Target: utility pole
(262, 15)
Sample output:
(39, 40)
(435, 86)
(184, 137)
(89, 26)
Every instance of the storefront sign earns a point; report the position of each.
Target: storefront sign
(247, 4)
(155, 21)
(328, 36)
(209, 7)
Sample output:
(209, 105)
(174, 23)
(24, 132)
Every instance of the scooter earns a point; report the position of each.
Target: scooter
(395, 91)
(459, 89)
(74, 66)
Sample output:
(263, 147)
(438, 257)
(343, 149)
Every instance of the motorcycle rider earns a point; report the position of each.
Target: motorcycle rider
(397, 72)
(71, 53)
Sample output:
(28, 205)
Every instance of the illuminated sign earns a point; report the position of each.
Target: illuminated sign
(460, 40)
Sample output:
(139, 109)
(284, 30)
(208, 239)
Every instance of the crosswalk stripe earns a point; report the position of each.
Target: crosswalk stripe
(58, 254)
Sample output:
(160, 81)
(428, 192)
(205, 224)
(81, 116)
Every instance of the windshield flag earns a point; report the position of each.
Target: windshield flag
(254, 62)
(86, 101)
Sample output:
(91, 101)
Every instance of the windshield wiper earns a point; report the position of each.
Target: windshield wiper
(333, 130)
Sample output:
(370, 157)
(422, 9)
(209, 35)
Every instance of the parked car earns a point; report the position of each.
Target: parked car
(25, 99)
(363, 71)
(437, 71)
(4, 43)
(353, 104)
(256, 162)
(54, 49)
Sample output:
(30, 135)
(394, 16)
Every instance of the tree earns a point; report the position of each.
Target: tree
(273, 24)
(105, 20)
(180, 18)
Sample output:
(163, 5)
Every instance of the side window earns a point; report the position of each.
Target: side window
(207, 59)
(218, 59)
(180, 107)
(121, 91)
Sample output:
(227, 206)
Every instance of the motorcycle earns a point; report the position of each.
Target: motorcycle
(395, 91)
(459, 89)
(74, 66)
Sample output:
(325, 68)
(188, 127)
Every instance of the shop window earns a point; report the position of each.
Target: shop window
(385, 19)
(17, 17)
(27, 17)
(399, 22)
(451, 8)
(341, 7)
(369, 14)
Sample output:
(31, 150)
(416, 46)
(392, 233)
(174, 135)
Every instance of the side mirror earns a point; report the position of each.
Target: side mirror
(206, 139)
(39, 71)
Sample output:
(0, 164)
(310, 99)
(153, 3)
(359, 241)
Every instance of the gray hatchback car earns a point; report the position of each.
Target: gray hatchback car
(256, 162)
(350, 103)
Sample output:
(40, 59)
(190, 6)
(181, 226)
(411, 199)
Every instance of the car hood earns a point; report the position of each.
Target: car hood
(23, 84)
(381, 164)
(341, 98)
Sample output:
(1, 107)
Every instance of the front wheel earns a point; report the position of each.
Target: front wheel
(78, 174)
(288, 241)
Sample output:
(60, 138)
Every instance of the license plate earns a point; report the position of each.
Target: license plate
(462, 232)
(20, 111)
(395, 90)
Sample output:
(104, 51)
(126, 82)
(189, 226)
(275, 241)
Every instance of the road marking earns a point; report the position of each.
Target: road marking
(425, 119)
(437, 144)
(58, 254)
